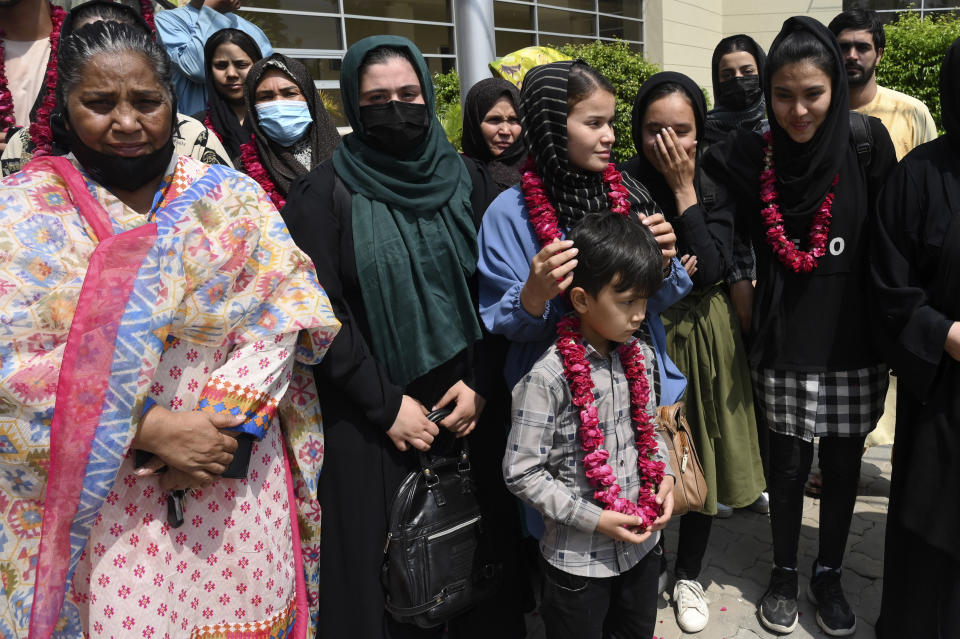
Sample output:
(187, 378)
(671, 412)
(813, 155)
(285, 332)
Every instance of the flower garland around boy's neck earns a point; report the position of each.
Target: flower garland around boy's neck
(250, 159)
(41, 135)
(783, 247)
(576, 369)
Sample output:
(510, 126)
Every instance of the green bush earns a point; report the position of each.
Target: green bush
(912, 57)
(625, 68)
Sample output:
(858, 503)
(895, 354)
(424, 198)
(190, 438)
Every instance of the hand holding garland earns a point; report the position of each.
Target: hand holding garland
(551, 272)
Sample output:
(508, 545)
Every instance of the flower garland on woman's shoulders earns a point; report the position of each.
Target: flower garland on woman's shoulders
(576, 369)
(252, 166)
(41, 135)
(776, 236)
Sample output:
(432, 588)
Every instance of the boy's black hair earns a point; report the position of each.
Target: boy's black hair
(860, 20)
(616, 249)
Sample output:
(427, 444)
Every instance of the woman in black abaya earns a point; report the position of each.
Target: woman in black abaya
(916, 269)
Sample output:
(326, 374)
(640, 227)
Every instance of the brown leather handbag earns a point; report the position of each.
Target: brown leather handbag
(690, 489)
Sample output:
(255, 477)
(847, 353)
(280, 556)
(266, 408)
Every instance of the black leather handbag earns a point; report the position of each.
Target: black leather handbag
(436, 561)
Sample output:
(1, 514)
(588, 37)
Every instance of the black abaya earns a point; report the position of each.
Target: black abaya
(362, 468)
(916, 269)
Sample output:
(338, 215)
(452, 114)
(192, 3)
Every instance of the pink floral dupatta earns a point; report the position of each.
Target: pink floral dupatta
(82, 386)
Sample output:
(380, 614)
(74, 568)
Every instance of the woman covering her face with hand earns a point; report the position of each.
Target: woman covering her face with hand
(292, 131)
(228, 56)
(158, 317)
(702, 333)
(807, 199)
(388, 225)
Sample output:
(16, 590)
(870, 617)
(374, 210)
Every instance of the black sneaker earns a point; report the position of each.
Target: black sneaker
(834, 615)
(778, 606)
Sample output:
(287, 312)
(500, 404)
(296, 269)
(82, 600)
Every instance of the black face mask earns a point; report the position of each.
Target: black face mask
(740, 93)
(116, 172)
(395, 127)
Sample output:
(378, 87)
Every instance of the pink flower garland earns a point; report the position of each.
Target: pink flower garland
(146, 10)
(542, 215)
(207, 122)
(7, 118)
(783, 247)
(40, 132)
(576, 368)
(599, 473)
(250, 158)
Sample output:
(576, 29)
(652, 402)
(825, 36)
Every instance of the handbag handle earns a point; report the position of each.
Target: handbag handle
(429, 463)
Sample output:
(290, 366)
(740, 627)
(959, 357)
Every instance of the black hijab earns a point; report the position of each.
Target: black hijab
(722, 119)
(950, 93)
(222, 116)
(280, 162)
(806, 171)
(503, 168)
(640, 167)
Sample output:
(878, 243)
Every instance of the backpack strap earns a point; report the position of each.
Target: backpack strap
(862, 137)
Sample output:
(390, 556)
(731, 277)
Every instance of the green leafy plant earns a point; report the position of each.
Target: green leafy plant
(447, 89)
(911, 60)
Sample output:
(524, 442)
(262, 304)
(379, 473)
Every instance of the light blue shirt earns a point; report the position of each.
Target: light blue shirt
(184, 32)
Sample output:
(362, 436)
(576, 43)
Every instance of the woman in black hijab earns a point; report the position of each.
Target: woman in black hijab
(816, 370)
(702, 334)
(738, 63)
(292, 131)
(227, 58)
(493, 147)
(916, 269)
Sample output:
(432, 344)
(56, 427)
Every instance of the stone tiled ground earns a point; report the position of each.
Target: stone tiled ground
(737, 565)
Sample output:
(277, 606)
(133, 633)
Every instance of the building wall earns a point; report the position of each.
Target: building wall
(681, 34)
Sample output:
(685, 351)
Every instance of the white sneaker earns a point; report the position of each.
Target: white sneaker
(691, 603)
(761, 504)
(724, 511)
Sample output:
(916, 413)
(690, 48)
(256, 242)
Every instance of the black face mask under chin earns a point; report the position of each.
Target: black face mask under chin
(740, 93)
(394, 127)
(116, 172)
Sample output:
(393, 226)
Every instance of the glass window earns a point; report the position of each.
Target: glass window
(560, 21)
(586, 5)
(510, 41)
(297, 31)
(321, 6)
(625, 8)
(939, 4)
(432, 10)
(623, 29)
(322, 68)
(430, 38)
(512, 16)
(557, 41)
(877, 5)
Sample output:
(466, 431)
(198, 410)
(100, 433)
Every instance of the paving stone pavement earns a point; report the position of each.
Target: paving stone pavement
(738, 561)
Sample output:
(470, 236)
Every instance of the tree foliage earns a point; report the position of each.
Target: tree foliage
(914, 52)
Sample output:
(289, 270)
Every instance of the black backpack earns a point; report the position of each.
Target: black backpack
(436, 561)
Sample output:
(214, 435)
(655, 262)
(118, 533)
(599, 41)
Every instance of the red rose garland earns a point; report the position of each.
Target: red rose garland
(576, 368)
(250, 158)
(7, 119)
(207, 122)
(783, 247)
(40, 133)
(146, 10)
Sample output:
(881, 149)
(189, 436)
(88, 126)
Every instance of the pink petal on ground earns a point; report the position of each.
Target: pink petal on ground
(724, 609)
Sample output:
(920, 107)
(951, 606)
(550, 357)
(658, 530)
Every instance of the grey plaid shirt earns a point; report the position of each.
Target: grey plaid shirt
(543, 464)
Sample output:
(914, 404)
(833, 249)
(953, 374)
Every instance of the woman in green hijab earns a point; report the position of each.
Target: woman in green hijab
(387, 222)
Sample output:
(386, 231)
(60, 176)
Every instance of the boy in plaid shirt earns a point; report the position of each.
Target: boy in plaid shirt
(600, 573)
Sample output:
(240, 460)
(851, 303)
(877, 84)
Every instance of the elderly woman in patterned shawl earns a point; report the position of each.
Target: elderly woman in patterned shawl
(151, 307)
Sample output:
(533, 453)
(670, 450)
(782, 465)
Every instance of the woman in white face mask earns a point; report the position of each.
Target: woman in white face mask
(292, 131)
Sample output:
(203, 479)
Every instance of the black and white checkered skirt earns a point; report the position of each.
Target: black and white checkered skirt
(840, 403)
